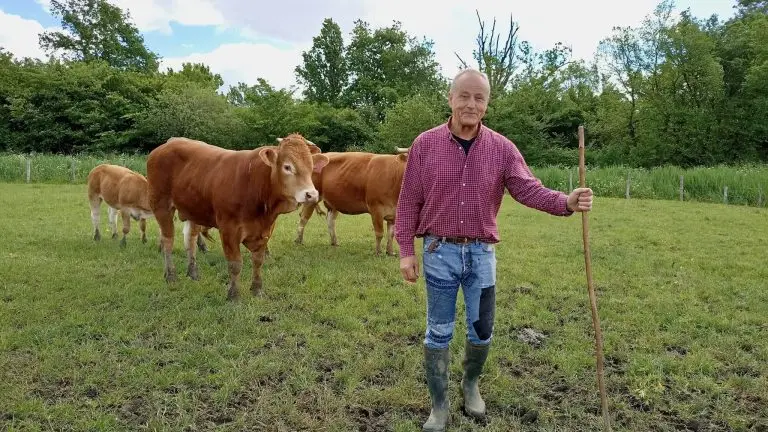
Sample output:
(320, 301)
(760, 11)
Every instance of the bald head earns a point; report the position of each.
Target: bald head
(469, 74)
(468, 98)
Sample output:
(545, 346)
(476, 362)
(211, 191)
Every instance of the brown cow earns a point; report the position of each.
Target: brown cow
(241, 193)
(354, 183)
(125, 191)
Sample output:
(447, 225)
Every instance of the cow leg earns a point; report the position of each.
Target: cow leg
(258, 247)
(378, 228)
(95, 216)
(191, 232)
(201, 244)
(390, 236)
(113, 221)
(266, 242)
(331, 219)
(126, 227)
(164, 219)
(230, 242)
(306, 213)
(143, 228)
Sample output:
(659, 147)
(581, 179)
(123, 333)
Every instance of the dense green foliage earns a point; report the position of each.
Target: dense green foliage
(677, 90)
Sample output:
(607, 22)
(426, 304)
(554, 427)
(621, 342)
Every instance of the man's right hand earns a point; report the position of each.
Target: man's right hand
(409, 267)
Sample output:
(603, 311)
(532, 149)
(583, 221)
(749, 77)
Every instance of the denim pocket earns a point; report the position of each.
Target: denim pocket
(432, 244)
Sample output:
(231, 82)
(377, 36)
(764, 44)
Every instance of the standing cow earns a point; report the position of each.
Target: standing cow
(355, 183)
(241, 193)
(125, 191)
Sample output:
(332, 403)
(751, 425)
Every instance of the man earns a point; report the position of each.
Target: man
(451, 192)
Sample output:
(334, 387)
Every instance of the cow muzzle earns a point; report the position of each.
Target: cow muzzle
(307, 196)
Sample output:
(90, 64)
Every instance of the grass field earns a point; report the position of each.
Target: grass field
(746, 185)
(92, 338)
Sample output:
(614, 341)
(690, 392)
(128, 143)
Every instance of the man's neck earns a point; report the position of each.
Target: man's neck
(462, 131)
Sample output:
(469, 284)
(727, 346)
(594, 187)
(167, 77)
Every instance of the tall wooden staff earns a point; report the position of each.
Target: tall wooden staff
(592, 297)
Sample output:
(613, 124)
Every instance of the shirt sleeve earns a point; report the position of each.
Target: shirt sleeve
(409, 202)
(527, 189)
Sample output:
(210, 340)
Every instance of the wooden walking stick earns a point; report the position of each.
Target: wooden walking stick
(592, 297)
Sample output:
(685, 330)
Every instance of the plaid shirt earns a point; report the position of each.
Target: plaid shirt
(446, 192)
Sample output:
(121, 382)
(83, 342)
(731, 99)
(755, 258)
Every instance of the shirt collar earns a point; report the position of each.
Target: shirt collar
(480, 132)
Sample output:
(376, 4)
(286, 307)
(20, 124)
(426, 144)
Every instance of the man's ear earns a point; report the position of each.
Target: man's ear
(320, 161)
(268, 155)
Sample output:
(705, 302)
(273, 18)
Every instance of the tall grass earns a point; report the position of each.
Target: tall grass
(747, 185)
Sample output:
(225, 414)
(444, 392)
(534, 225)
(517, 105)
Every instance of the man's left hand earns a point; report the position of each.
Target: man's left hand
(580, 200)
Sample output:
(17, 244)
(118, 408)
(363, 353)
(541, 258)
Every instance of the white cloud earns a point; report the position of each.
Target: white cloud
(246, 62)
(157, 15)
(20, 36)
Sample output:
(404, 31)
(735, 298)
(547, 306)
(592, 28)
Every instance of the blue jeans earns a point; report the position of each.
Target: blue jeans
(446, 266)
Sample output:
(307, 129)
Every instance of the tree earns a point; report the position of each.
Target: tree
(499, 63)
(97, 30)
(386, 65)
(198, 73)
(324, 73)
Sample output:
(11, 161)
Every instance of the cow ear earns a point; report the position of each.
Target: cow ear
(268, 155)
(313, 149)
(403, 157)
(320, 161)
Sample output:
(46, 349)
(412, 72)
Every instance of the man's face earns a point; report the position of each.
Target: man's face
(469, 99)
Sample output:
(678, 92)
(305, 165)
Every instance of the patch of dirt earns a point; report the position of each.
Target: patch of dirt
(135, 411)
(403, 340)
(54, 390)
(382, 378)
(674, 349)
(373, 419)
(524, 290)
(531, 337)
(614, 365)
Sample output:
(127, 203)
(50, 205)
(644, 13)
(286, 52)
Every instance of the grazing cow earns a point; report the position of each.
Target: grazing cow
(125, 191)
(241, 193)
(354, 183)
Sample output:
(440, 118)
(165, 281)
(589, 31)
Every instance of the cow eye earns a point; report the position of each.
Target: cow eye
(287, 168)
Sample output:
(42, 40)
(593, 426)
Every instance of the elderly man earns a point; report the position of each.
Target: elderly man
(451, 192)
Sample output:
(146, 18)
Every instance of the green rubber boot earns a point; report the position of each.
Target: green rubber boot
(474, 358)
(436, 363)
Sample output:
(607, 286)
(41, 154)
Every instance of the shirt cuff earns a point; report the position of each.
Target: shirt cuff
(565, 212)
(407, 249)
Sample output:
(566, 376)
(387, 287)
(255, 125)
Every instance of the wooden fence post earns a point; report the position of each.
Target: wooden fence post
(725, 195)
(628, 182)
(759, 195)
(570, 180)
(73, 170)
(29, 169)
(682, 188)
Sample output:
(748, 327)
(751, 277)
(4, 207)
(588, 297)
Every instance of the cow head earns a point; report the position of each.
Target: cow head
(292, 163)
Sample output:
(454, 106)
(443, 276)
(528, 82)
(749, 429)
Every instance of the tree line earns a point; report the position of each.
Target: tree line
(676, 90)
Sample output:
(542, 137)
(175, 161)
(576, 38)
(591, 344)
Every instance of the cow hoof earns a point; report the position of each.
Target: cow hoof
(123, 243)
(170, 277)
(114, 236)
(298, 241)
(233, 294)
(144, 240)
(192, 273)
(97, 236)
(256, 286)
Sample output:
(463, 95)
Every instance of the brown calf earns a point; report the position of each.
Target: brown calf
(355, 183)
(125, 191)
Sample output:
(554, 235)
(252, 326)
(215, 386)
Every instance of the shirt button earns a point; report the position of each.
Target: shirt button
(463, 184)
(462, 221)
(462, 203)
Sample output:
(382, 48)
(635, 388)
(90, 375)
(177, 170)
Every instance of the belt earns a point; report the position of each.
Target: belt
(459, 240)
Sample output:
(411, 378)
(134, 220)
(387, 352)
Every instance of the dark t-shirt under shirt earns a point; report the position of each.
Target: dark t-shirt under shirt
(464, 143)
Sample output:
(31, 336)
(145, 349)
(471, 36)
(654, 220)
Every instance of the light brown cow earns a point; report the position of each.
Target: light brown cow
(355, 183)
(241, 193)
(126, 192)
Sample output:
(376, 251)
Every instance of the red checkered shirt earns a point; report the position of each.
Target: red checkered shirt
(446, 192)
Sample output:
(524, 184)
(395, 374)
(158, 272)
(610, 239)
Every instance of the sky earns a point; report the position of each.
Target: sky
(245, 40)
